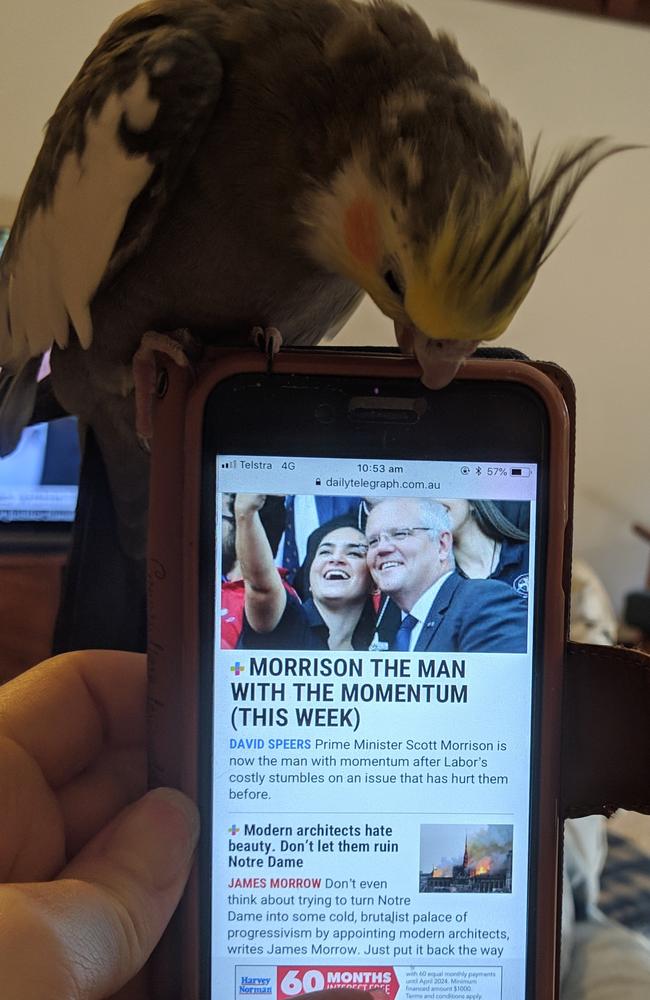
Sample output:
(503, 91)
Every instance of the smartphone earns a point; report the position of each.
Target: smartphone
(379, 809)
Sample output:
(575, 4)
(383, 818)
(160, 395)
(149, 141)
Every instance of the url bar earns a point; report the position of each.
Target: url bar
(367, 477)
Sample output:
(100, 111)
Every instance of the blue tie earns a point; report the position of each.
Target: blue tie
(403, 634)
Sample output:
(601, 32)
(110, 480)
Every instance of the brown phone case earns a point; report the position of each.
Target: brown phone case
(173, 619)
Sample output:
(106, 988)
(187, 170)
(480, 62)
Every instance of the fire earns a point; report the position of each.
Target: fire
(483, 866)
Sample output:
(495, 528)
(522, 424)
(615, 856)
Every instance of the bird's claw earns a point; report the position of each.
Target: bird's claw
(144, 442)
(181, 347)
(268, 339)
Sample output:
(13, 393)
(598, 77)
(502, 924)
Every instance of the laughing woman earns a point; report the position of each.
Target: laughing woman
(337, 614)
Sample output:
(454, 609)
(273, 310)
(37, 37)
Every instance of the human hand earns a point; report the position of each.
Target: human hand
(91, 870)
(249, 503)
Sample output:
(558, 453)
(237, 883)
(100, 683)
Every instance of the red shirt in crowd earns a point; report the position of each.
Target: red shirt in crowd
(232, 609)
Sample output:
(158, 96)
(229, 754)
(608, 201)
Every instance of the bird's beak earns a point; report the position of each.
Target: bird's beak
(438, 359)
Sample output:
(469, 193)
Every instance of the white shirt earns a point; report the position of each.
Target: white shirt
(305, 515)
(422, 606)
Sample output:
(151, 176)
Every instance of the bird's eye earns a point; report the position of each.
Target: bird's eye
(393, 283)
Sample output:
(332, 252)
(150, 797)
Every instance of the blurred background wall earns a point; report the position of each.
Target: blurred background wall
(564, 75)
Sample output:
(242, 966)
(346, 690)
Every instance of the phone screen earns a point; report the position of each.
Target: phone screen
(371, 725)
(372, 586)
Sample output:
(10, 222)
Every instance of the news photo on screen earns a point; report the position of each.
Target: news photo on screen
(371, 727)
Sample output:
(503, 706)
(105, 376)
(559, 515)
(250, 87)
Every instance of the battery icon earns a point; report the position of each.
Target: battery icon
(524, 473)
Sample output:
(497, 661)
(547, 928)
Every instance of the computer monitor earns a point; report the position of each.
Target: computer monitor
(39, 480)
(38, 487)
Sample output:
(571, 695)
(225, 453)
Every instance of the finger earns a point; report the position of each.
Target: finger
(42, 827)
(65, 710)
(89, 801)
(138, 868)
(32, 834)
(94, 928)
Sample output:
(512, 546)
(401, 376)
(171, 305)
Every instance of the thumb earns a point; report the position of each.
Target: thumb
(86, 934)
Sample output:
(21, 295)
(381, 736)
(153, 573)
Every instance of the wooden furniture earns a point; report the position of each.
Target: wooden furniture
(30, 586)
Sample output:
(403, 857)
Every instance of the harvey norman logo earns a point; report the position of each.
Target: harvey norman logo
(255, 983)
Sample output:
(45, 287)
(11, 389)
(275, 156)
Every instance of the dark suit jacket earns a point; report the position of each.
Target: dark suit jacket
(472, 616)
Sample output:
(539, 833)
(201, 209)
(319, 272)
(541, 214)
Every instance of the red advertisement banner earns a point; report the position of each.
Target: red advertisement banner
(303, 980)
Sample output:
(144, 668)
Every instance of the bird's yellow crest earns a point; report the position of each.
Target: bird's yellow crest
(464, 280)
(480, 264)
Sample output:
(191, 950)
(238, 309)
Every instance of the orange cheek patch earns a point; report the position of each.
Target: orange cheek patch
(362, 231)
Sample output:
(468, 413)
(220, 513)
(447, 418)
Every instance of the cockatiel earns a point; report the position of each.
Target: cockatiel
(224, 165)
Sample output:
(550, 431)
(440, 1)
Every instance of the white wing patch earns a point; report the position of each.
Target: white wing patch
(65, 248)
(140, 109)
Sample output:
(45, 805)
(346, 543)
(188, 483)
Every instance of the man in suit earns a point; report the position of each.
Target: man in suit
(411, 560)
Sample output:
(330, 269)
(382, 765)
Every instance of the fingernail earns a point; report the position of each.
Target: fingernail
(163, 827)
(183, 804)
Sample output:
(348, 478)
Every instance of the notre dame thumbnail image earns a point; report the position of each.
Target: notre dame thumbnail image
(468, 857)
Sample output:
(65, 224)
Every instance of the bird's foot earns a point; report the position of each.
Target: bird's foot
(181, 347)
(268, 339)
